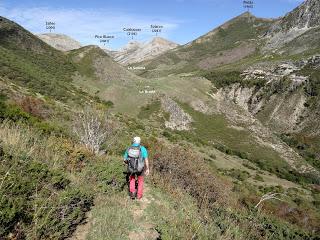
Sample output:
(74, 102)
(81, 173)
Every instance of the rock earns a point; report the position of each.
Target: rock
(60, 42)
(294, 24)
(285, 69)
(179, 120)
(314, 61)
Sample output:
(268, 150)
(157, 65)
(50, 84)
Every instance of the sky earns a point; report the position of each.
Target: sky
(182, 20)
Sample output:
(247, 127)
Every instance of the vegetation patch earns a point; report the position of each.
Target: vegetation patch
(306, 146)
(227, 78)
(237, 174)
(149, 109)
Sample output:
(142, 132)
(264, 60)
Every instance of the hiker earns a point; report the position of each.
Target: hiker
(136, 157)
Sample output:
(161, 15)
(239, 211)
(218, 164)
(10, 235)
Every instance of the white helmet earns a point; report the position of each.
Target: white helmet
(137, 140)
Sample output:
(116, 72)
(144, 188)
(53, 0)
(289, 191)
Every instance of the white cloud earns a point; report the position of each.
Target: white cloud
(84, 24)
(293, 1)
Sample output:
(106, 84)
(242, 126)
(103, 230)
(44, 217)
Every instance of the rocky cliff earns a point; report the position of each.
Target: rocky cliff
(297, 22)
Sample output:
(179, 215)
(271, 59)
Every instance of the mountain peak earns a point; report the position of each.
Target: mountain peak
(61, 42)
(131, 46)
(135, 52)
(245, 14)
(162, 41)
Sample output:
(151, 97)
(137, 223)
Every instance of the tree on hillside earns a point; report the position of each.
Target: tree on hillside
(94, 128)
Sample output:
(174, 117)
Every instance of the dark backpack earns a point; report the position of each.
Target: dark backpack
(135, 161)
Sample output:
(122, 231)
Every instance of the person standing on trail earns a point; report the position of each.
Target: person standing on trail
(136, 157)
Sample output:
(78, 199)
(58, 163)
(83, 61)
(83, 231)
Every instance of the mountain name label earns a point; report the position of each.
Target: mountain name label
(132, 31)
(50, 25)
(104, 38)
(156, 28)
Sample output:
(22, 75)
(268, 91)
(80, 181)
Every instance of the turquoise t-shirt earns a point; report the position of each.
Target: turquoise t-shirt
(144, 152)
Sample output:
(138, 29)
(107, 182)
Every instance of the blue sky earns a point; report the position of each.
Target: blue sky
(183, 20)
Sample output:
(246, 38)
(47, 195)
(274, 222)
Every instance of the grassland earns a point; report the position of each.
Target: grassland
(227, 37)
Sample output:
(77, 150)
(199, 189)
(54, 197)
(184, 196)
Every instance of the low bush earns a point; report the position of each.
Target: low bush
(38, 202)
(149, 109)
(237, 174)
(306, 146)
(223, 79)
(182, 167)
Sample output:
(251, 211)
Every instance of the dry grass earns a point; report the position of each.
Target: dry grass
(57, 152)
(182, 167)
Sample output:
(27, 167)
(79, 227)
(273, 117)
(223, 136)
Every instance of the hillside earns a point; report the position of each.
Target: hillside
(305, 19)
(245, 39)
(29, 62)
(230, 42)
(136, 52)
(60, 42)
(101, 76)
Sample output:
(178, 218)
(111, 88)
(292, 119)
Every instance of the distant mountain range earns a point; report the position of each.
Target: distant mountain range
(135, 51)
(244, 37)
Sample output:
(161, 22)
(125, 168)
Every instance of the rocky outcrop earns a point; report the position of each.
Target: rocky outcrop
(263, 111)
(179, 120)
(136, 52)
(294, 24)
(280, 102)
(60, 42)
(307, 15)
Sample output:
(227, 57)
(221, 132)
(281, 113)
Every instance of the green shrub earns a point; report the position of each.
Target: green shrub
(223, 79)
(258, 178)
(149, 109)
(237, 174)
(32, 192)
(307, 147)
(110, 174)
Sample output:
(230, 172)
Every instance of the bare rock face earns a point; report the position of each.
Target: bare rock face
(60, 42)
(179, 120)
(136, 52)
(307, 15)
(294, 24)
(280, 102)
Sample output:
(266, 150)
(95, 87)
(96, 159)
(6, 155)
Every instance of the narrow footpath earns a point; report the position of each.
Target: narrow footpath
(141, 228)
(145, 230)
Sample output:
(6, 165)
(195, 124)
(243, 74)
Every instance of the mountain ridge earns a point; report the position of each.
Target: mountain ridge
(135, 52)
(60, 42)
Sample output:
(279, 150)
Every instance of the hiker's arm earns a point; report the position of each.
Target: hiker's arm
(147, 166)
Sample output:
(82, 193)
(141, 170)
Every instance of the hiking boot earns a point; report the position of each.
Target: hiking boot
(132, 195)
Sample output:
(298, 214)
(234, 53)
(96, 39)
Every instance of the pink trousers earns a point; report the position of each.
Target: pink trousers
(132, 180)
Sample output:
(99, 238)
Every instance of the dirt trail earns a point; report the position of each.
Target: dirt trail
(145, 230)
(83, 229)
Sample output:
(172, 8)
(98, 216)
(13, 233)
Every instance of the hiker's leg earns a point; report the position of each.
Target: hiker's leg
(140, 186)
(132, 180)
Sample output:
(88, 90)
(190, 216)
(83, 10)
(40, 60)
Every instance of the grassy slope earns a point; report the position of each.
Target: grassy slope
(106, 79)
(231, 35)
(27, 61)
